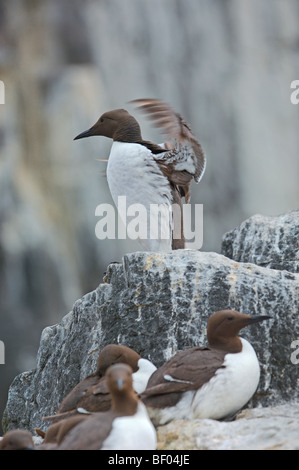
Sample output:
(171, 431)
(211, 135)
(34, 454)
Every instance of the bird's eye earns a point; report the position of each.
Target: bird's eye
(230, 318)
(102, 119)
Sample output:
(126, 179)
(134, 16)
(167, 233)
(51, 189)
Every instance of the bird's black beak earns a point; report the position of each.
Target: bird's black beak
(87, 133)
(257, 318)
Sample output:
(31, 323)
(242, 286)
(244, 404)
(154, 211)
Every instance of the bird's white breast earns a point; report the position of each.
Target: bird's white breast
(132, 172)
(225, 393)
(231, 387)
(134, 432)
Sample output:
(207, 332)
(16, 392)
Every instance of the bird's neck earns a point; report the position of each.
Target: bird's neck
(229, 345)
(125, 404)
(128, 130)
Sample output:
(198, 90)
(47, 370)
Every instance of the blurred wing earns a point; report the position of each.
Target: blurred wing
(185, 158)
(101, 388)
(89, 434)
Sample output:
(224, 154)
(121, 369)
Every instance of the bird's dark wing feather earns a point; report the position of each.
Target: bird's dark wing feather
(184, 158)
(73, 397)
(187, 370)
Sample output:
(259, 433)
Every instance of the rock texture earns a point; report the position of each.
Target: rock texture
(274, 428)
(158, 304)
(271, 242)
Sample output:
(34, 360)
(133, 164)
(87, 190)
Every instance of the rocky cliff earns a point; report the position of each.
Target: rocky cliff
(271, 242)
(158, 304)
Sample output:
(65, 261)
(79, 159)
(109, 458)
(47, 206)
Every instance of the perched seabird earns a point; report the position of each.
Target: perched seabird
(126, 426)
(17, 439)
(207, 382)
(92, 392)
(150, 174)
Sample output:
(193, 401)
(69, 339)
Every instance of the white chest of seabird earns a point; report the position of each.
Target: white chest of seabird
(151, 176)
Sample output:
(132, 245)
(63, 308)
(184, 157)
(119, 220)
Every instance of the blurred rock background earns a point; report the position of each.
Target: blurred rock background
(225, 65)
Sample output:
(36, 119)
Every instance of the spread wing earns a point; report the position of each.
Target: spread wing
(187, 370)
(184, 159)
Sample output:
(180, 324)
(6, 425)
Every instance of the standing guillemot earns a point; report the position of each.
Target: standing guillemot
(150, 174)
(126, 426)
(92, 393)
(207, 382)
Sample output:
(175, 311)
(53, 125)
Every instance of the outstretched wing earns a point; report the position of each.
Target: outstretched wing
(185, 158)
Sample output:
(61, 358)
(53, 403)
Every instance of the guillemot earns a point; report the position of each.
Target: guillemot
(157, 176)
(92, 393)
(126, 426)
(207, 382)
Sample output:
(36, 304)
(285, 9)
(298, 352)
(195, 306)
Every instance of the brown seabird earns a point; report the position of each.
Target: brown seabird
(126, 426)
(207, 382)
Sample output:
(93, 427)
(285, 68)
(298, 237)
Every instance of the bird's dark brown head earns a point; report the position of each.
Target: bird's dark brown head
(17, 439)
(119, 378)
(118, 124)
(224, 326)
(124, 400)
(116, 353)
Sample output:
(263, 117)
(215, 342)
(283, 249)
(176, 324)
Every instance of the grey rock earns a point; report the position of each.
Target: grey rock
(273, 428)
(271, 242)
(158, 304)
